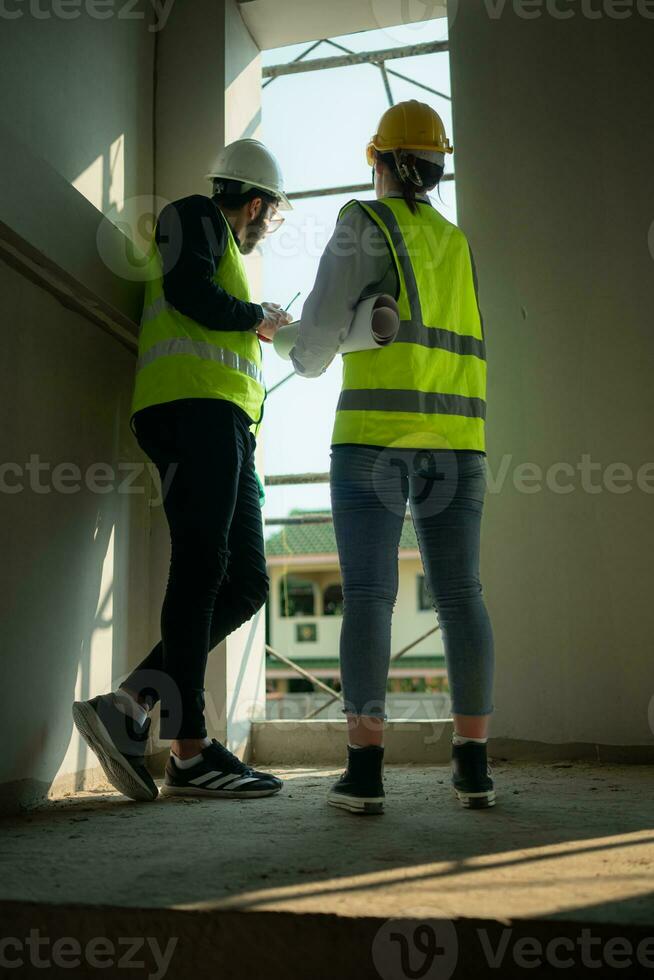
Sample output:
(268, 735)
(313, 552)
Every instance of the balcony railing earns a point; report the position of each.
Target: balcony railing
(294, 479)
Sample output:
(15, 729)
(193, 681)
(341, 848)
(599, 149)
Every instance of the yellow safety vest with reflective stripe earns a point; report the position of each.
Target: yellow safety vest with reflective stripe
(179, 358)
(428, 388)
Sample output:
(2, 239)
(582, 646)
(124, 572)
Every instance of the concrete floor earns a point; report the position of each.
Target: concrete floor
(572, 842)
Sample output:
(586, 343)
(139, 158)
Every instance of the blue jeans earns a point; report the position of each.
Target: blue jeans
(445, 489)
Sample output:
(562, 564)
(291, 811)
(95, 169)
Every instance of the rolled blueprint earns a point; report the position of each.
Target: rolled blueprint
(375, 324)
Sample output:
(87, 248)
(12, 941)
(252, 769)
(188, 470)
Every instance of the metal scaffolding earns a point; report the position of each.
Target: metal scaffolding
(346, 189)
(348, 58)
(299, 65)
(397, 74)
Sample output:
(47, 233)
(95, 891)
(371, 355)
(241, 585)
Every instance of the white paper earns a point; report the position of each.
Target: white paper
(375, 324)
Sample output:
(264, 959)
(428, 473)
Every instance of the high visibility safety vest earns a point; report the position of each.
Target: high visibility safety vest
(179, 358)
(426, 390)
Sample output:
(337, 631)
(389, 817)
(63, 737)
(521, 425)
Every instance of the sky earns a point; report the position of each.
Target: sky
(318, 125)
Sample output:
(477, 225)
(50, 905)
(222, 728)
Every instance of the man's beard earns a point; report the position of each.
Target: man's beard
(254, 232)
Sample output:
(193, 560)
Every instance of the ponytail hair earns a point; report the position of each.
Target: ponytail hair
(412, 174)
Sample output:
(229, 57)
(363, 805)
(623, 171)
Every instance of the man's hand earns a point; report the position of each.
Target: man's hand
(275, 318)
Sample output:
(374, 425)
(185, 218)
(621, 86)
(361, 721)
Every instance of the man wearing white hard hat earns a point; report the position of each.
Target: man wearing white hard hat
(198, 395)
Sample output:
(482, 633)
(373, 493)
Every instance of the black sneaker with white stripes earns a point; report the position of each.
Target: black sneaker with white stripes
(472, 779)
(119, 742)
(361, 787)
(220, 775)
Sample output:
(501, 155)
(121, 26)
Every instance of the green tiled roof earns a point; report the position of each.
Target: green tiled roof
(312, 539)
(429, 660)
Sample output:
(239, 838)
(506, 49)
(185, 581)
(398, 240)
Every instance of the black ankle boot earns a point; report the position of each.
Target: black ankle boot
(471, 775)
(361, 788)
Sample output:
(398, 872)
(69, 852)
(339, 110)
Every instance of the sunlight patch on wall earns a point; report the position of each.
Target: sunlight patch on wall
(103, 181)
(90, 182)
(243, 121)
(96, 655)
(116, 200)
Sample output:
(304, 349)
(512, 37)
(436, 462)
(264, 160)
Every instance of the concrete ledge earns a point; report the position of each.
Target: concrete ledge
(318, 743)
(523, 750)
(54, 242)
(321, 743)
(282, 945)
(420, 742)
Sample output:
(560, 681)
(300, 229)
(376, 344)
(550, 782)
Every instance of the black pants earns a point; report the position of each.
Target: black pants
(204, 452)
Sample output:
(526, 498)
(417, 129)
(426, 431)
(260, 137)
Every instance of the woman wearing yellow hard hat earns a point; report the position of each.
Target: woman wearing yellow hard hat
(409, 427)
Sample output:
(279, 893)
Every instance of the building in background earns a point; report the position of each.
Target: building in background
(304, 625)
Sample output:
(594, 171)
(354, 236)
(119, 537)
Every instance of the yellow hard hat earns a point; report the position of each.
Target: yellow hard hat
(409, 125)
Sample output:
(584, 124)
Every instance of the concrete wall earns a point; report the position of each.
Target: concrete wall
(81, 95)
(190, 103)
(70, 557)
(555, 189)
(203, 101)
(77, 145)
(274, 23)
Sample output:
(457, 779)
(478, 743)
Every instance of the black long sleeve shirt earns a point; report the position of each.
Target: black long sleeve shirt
(191, 235)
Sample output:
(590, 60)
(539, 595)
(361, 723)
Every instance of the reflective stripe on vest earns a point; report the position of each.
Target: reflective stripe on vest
(380, 413)
(152, 311)
(422, 402)
(414, 331)
(203, 350)
(180, 358)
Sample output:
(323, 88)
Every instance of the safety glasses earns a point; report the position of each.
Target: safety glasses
(273, 221)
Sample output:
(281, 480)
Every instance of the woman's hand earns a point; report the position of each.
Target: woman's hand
(275, 317)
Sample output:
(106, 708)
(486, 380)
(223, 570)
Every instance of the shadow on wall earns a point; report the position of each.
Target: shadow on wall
(71, 531)
(59, 618)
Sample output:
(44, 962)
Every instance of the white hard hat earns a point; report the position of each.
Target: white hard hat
(251, 163)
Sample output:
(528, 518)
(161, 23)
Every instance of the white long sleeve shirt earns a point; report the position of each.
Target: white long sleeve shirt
(356, 263)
